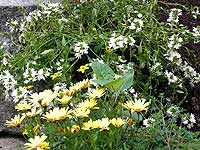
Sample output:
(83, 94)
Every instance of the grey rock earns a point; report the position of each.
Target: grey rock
(23, 2)
(7, 111)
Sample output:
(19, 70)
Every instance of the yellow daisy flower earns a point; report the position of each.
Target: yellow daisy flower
(36, 129)
(109, 50)
(88, 104)
(137, 106)
(23, 106)
(47, 97)
(75, 129)
(83, 68)
(65, 99)
(103, 124)
(96, 93)
(57, 114)
(81, 113)
(16, 121)
(140, 105)
(117, 122)
(56, 75)
(88, 125)
(43, 98)
(37, 143)
(33, 112)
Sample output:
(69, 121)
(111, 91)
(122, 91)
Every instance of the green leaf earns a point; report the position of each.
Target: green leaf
(102, 71)
(102, 82)
(122, 83)
(47, 51)
(64, 43)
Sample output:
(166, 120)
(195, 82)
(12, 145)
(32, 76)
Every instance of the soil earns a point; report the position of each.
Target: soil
(193, 55)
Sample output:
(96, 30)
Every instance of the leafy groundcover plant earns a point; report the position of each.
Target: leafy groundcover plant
(101, 74)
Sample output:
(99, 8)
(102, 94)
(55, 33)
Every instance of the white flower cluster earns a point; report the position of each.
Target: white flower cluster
(60, 86)
(120, 41)
(32, 75)
(8, 81)
(48, 8)
(19, 94)
(190, 73)
(173, 111)
(174, 15)
(189, 120)
(148, 122)
(136, 23)
(196, 34)
(174, 57)
(157, 69)
(195, 12)
(171, 77)
(59, 63)
(175, 41)
(80, 48)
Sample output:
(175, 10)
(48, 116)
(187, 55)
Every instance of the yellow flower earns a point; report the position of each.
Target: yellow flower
(75, 88)
(140, 105)
(83, 68)
(28, 87)
(103, 124)
(37, 143)
(43, 98)
(81, 113)
(130, 122)
(36, 129)
(75, 129)
(56, 75)
(88, 104)
(84, 84)
(67, 92)
(117, 122)
(88, 125)
(57, 114)
(109, 50)
(16, 121)
(137, 106)
(80, 85)
(23, 106)
(65, 99)
(47, 97)
(25, 132)
(33, 112)
(96, 93)
(35, 99)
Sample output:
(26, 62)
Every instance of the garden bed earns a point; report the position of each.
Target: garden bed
(94, 78)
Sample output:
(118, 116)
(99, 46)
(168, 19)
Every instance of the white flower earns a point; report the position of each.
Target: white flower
(175, 41)
(173, 111)
(148, 122)
(171, 77)
(137, 24)
(175, 57)
(80, 48)
(174, 15)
